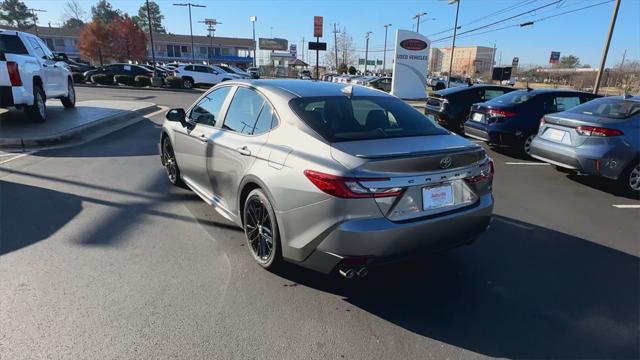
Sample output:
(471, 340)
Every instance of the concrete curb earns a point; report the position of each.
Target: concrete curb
(124, 87)
(82, 133)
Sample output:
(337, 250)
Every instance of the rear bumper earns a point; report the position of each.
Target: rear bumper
(381, 240)
(15, 95)
(607, 160)
(497, 134)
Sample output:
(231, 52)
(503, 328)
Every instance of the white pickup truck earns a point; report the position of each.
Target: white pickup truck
(30, 74)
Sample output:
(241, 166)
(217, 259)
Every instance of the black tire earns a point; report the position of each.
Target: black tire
(187, 83)
(69, 101)
(526, 145)
(168, 158)
(439, 86)
(38, 111)
(629, 179)
(259, 224)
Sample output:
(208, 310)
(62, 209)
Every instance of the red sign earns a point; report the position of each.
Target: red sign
(317, 26)
(413, 44)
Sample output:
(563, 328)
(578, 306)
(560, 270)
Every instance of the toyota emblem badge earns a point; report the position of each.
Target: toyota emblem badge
(445, 162)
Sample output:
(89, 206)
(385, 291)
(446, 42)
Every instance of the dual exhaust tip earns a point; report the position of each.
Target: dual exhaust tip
(350, 273)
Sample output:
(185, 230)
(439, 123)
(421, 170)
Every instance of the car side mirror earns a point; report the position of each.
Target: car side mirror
(176, 115)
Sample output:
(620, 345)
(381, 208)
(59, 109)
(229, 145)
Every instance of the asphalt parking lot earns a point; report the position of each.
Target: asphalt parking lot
(102, 258)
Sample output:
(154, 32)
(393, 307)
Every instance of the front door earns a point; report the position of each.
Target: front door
(192, 144)
(245, 130)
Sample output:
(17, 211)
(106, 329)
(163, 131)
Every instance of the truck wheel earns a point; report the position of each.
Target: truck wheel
(38, 111)
(70, 100)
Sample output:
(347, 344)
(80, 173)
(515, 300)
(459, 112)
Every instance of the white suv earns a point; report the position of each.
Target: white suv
(202, 74)
(30, 74)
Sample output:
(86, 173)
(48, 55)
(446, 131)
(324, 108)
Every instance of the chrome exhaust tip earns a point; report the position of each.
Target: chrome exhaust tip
(362, 272)
(348, 273)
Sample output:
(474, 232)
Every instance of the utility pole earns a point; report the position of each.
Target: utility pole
(384, 59)
(417, 18)
(211, 23)
(153, 50)
(255, 46)
(605, 51)
(189, 5)
(453, 45)
(302, 50)
(335, 43)
(35, 18)
(493, 59)
(366, 52)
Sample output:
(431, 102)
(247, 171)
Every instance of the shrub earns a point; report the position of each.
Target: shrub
(78, 78)
(174, 81)
(142, 80)
(102, 79)
(124, 80)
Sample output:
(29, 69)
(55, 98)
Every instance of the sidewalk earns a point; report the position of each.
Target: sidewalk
(87, 121)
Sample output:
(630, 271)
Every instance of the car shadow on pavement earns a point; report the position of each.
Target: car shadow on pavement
(26, 215)
(521, 291)
(602, 184)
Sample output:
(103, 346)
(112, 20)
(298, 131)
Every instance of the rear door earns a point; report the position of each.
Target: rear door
(191, 142)
(245, 130)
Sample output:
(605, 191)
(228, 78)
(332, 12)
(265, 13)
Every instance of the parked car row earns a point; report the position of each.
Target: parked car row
(573, 130)
(373, 81)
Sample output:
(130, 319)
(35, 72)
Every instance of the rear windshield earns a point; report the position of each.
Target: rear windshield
(11, 44)
(512, 98)
(339, 118)
(610, 108)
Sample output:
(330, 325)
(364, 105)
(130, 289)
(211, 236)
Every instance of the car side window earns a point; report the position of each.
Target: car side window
(45, 49)
(267, 120)
(243, 111)
(188, 68)
(207, 111)
(36, 48)
(566, 102)
(492, 93)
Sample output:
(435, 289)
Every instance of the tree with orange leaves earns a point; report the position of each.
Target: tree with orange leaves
(95, 41)
(128, 41)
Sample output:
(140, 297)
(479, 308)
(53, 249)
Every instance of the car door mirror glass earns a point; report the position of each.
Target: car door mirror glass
(177, 115)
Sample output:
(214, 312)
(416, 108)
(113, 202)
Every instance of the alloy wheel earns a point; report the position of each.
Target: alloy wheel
(169, 162)
(259, 230)
(527, 145)
(634, 178)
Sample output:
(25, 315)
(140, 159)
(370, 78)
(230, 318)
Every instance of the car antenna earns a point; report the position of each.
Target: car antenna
(348, 91)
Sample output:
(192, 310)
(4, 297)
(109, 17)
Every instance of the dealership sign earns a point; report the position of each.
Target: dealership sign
(410, 65)
(317, 26)
(273, 44)
(555, 57)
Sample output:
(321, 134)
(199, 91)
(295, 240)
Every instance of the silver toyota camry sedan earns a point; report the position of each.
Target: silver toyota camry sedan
(333, 177)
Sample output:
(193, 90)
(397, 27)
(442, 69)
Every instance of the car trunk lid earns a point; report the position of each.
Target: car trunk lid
(563, 127)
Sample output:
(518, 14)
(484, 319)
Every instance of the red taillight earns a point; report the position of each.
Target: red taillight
(542, 122)
(486, 173)
(597, 131)
(14, 73)
(497, 113)
(347, 187)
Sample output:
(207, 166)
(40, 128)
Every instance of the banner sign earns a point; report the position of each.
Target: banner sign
(322, 46)
(411, 59)
(273, 44)
(317, 26)
(555, 57)
(501, 73)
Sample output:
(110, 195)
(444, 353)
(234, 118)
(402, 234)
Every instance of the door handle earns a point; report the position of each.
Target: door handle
(203, 138)
(244, 151)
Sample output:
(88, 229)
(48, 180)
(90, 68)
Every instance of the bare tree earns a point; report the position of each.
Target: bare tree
(73, 10)
(346, 51)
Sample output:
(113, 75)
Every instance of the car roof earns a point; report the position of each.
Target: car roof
(547, 91)
(474, 86)
(306, 88)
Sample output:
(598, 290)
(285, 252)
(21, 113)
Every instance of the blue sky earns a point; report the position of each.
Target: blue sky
(581, 33)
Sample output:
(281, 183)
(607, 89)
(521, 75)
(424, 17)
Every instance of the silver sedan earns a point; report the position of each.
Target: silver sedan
(333, 177)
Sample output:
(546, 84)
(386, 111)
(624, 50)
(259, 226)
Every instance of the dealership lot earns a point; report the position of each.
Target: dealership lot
(129, 265)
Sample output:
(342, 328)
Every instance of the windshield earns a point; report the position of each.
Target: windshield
(512, 98)
(339, 118)
(610, 108)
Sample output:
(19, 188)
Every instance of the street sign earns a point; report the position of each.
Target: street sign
(293, 50)
(411, 60)
(555, 57)
(360, 61)
(273, 44)
(318, 46)
(253, 18)
(378, 62)
(317, 26)
(515, 62)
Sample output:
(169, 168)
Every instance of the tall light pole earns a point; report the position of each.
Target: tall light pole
(255, 46)
(153, 50)
(35, 18)
(366, 52)
(211, 23)
(417, 17)
(335, 43)
(605, 51)
(453, 45)
(189, 5)
(384, 58)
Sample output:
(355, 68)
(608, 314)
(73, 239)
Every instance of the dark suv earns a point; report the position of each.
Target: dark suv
(513, 119)
(450, 107)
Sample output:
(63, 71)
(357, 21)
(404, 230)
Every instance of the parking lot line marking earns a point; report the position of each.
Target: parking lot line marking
(627, 206)
(16, 157)
(528, 163)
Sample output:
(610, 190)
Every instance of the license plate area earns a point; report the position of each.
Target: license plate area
(477, 117)
(436, 197)
(557, 135)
